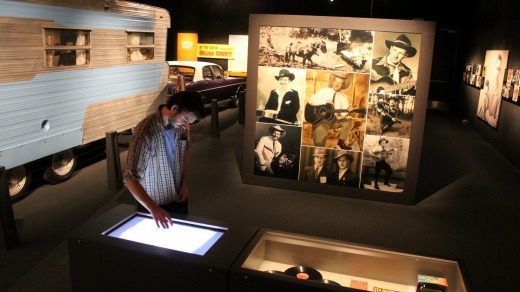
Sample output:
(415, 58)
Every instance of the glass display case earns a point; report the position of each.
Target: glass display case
(185, 236)
(293, 262)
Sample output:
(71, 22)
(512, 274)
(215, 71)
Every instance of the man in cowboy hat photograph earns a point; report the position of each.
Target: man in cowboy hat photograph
(380, 153)
(267, 149)
(343, 174)
(284, 102)
(318, 171)
(389, 73)
(331, 95)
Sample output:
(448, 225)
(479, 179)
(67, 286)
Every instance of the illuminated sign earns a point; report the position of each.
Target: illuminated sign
(186, 46)
(216, 51)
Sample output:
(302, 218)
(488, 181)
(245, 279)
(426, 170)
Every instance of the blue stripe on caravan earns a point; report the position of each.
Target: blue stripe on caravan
(62, 97)
(70, 17)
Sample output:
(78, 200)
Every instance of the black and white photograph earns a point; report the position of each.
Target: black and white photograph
(335, 109)
(345, 169)
(280, 95)
(490, 96)
(395, 63)
(507, 89)
(298, 47)
(384, 163)
(479, 82)
(478, 69)
(354, 51)
(473, 79)
(277, 151)
(336, 85)
(333, 167)
(515, 93)
(390, 115)
(516, 77)
(315, 164)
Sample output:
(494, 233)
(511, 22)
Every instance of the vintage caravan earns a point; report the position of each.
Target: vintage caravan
(71, 71)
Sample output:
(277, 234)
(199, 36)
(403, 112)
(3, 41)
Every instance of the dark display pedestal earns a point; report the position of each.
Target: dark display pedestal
(101, 262)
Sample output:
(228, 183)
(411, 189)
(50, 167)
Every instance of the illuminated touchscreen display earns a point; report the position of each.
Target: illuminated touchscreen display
(182, 236)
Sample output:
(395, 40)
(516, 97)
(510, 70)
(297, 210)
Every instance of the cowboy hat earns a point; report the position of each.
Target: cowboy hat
(381, 141)
(340, 75)
(285, 73)
(344, 153)
(319, 152)
(402, 42)
(277, 128)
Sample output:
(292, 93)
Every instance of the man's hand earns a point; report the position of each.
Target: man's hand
(162, 217)
(408, 82)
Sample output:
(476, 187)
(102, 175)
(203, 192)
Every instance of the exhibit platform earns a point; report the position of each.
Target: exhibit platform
(466, 208)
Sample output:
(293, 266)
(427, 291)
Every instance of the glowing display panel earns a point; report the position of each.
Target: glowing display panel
(182, 236)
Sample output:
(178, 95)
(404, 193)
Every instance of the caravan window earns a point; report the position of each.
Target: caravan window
(139, 46)
(66, 47)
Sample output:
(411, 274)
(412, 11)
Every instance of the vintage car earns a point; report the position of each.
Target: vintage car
(207, 79)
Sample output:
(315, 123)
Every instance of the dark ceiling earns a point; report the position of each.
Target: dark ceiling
(237, 11)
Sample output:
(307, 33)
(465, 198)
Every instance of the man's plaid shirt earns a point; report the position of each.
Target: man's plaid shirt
(147, 161)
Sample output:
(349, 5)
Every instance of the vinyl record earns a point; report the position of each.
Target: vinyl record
(303, 273)
(328, 282)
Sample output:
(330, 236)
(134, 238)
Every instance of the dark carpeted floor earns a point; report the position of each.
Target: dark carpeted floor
(467, 202)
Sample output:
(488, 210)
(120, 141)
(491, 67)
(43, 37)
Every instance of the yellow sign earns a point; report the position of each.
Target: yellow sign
(216, 51)
(186, 46)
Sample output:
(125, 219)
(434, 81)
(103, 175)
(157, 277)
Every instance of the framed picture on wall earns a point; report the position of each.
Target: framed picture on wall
(478, 69)
(344, 99)
(488, 109)
(479, 81)
(515, 93)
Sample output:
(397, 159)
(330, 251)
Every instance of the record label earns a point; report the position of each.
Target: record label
(302, 276)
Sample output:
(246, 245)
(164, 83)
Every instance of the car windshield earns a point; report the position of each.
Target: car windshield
(187, 72)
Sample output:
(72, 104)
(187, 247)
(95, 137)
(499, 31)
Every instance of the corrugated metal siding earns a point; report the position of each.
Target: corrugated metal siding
(82, 103)
(74, 17)
(63, 97)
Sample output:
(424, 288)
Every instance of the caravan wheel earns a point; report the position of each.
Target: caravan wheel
(62, 166)
(19, 182)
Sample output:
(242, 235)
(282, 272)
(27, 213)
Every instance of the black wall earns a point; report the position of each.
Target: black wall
(215, 20)
(463, 36)
(492, 25)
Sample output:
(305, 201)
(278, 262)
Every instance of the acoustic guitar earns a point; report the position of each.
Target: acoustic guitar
(316, 113)
(388, 85)
(383, 154)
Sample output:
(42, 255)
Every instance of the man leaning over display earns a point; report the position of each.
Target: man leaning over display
(156, 172)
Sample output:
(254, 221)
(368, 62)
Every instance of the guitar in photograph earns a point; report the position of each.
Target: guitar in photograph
(384, 154)
(386, 84)
(316, 113)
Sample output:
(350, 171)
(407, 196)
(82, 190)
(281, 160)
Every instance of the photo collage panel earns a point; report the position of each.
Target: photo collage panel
(335, 106)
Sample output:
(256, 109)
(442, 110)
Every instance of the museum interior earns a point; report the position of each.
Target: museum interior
(462, 209)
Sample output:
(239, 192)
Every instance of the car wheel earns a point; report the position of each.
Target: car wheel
(19, 182)
(62, 166)
(233, 102)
